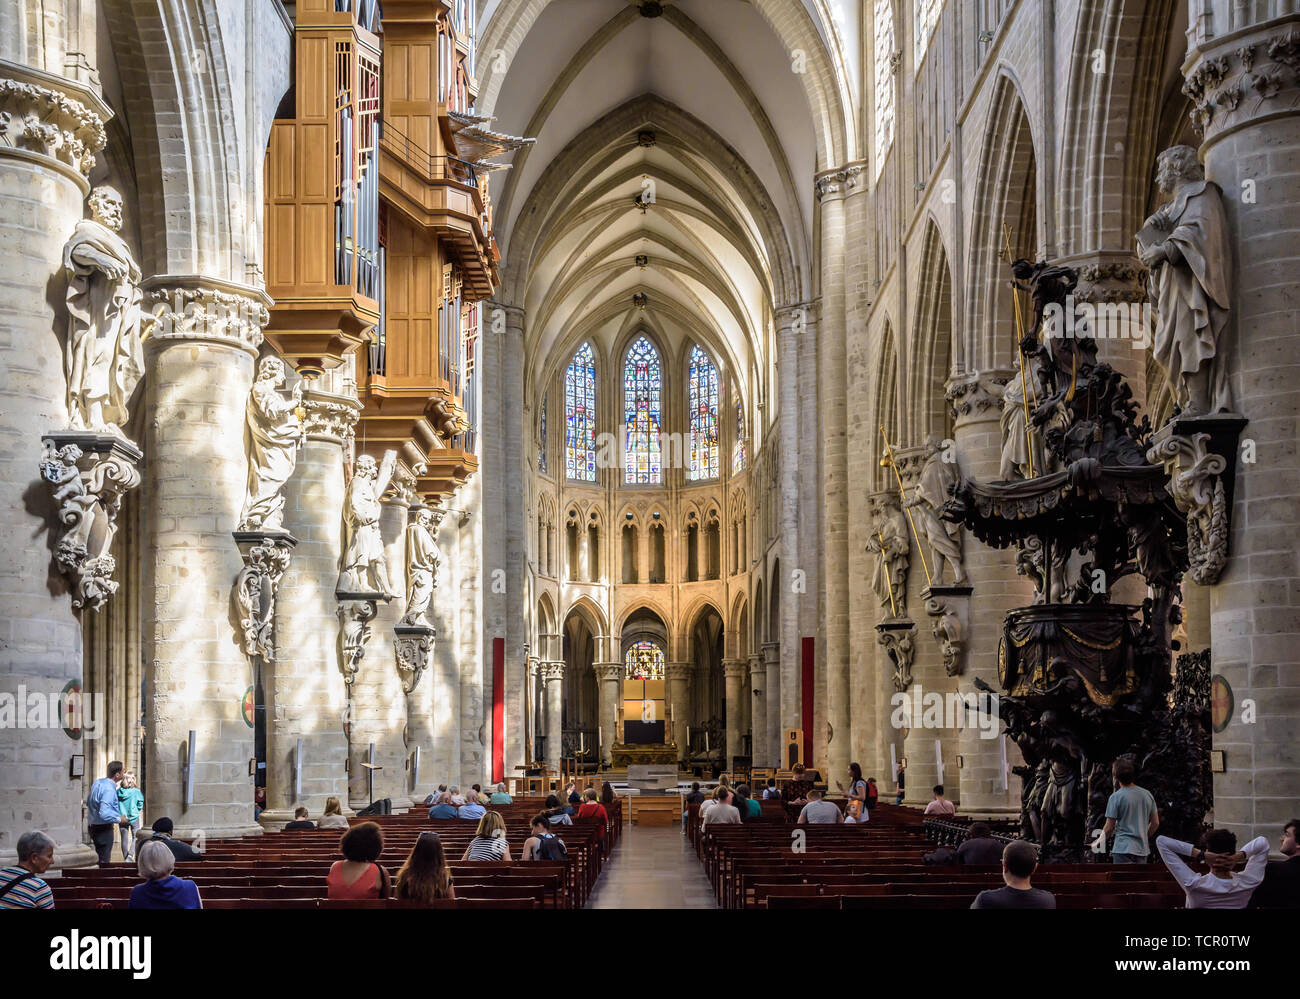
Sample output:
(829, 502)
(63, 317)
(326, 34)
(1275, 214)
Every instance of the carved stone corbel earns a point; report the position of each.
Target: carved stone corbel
(266, 557)
(88, 474)
(948, 607)
(898, 639)
(1199, 454)
(354, 620)
(413, 646)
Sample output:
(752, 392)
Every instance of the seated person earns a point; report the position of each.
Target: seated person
(425, 875)
(472, 809)
(694, 796)
(559, 815)
(162, 832)
(1220, 888)
(753, 809)
(21, 886)
(723, 811)
(489, 842)
(300, 820)
(544, 844)
(1019, 860)
(1281, 886)
(161, 889)
(357, 876)
(499, 796)
(979, 848)
(771, 792)
(443, 809)
(333, 817)
(457, 798)
(819, 811)
(940, 805)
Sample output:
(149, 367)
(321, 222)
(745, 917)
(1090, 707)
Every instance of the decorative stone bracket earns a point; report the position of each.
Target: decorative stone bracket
(949, 607)
(266, 557)
(1200, 456)
(355, 616)
(88, 474)
(898, 639)
(414, 648)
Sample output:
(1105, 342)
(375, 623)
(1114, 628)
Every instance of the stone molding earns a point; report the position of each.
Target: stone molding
(678, 671)
(355, 631)
(608, 671)
(735, 669)
(37, 116)
(413, 647)
(551, 671)
(192, 307)
(898, 639)
(948, 607)
(1111, 281)
(330, 418)
(840, 182)
(88, 474)
(1247, 75)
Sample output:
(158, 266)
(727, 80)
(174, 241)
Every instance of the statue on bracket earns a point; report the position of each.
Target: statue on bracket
(1187, 249)
(272, 439)
(422, 561)
(928, 497)
(104, 360)
(888, 541)
(365, 570)
(1016, 444)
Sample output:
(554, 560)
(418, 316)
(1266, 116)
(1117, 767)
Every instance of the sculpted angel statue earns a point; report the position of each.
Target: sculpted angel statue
(272, 435)
(103, 357)
(1185, 245)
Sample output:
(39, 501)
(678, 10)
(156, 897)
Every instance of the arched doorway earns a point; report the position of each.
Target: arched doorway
(646, 711)
(707, 732)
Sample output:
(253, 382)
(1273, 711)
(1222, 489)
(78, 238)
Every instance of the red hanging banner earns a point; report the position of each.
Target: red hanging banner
(498, 709)
(808, 659)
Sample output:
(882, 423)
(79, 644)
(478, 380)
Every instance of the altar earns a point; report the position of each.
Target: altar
(624, 755)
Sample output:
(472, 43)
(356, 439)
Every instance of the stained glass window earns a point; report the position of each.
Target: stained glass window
(641, 414)
(927, 16)
(644, 661)
(738, 449)
(580, 416)
(541, 440)
(884, 54)
(703, 392)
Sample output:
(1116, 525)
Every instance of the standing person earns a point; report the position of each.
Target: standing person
(1131, 816)
(1281, 887)
(857, 805)
(940, 805)
(357, 876)
(105, 811)
(1221, 888)
(131, 801)
(1019, 861)
(21, 886)
(489, 842)
(873, 794)
(900, 781)
(161, 889)
(425, 875)
(591, 808)
(771, 792)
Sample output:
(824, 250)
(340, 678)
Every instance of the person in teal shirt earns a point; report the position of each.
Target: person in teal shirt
(131, 802)
(1131, 816)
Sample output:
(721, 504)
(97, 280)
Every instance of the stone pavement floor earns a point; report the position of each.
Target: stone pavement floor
(653, 867)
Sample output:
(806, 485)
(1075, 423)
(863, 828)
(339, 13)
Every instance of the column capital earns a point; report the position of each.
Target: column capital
(839, 182)
(735, 669)
(976, 395)
(791, 318)
(607, 671)
(194, 307)
(51, 119)
(678, 671)
(552, 671)
(1242, 77)
(329, 417)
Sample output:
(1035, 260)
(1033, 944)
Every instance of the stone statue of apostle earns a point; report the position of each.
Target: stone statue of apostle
(365, 569)
(271, 438)
(422, 561)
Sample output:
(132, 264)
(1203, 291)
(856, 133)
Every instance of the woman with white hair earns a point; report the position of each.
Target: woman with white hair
(21, 886)
(161, 889)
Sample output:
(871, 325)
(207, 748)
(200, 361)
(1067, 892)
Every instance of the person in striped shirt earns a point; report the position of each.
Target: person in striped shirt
(22, 887)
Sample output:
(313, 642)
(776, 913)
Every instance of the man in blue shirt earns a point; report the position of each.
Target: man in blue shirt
(1131, 816)
(105, 812)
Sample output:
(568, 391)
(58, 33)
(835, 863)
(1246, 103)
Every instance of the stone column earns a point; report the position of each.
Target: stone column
(832, 694)
(679, 707)
(198, 370)
(976, 403)
(553, 675)
(758, 710)
(306, 692)
(378, 703)
(609, 691)
(1242, 79)
(42, 185)
(735, 676)
(771, 705)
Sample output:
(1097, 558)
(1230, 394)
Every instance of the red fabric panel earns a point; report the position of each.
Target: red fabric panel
(498, 709)
(809, 658)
